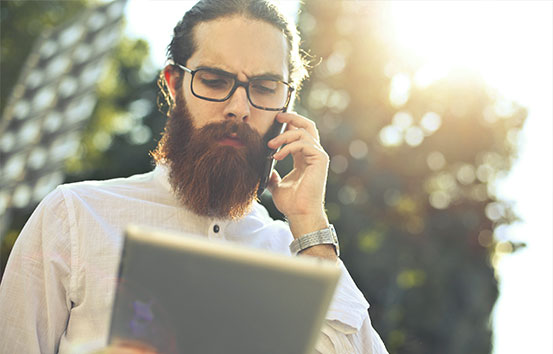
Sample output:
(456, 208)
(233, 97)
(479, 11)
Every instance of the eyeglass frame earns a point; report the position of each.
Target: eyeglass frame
(237, 83)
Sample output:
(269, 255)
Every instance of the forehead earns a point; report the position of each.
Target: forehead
(240, 45)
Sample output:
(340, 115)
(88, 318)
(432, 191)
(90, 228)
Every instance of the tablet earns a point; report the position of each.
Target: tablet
(179, 293)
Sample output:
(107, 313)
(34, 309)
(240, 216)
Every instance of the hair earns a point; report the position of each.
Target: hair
(183, 45)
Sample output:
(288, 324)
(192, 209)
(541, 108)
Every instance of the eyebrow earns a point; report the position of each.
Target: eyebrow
(266, 75)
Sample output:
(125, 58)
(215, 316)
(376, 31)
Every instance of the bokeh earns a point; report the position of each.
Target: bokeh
(413, 165)
(414, 162)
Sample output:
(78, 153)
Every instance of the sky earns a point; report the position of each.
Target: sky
(511, 44)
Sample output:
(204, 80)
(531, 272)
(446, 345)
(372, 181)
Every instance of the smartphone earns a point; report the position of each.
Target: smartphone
(275, 130)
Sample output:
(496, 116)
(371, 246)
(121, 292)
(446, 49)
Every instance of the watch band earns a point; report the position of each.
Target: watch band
(322, 237)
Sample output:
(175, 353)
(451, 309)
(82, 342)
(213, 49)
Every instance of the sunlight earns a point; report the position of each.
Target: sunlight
(509, 43)
(493, 38)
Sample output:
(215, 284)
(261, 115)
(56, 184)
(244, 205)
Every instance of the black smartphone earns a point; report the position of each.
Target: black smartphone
(275, 130)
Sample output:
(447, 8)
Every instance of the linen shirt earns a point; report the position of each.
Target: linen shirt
(58, 287)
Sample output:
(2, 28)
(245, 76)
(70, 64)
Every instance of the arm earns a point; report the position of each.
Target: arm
(337, 337)
(348, 328)
(34, 301)
(300, 194)
(300, 197)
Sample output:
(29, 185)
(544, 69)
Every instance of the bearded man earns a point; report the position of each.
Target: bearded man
(233, 69)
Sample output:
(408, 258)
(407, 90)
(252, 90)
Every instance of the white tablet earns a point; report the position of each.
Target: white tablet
(185, 294)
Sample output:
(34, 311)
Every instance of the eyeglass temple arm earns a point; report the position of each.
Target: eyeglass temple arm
(184, 68)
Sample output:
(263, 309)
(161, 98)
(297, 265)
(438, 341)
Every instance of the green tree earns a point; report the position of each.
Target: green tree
(22, 22)
(410, 187)
(125, 123)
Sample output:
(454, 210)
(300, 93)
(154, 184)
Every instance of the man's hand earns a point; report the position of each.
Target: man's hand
(300, 194)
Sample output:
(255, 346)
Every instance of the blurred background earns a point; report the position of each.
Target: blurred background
(437, 117)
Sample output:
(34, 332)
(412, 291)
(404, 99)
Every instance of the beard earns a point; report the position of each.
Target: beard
(211, 179)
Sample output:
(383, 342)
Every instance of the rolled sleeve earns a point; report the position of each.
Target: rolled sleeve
(348, 328)
(348, 304)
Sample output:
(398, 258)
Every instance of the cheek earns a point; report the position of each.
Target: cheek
(263, 122)
(202, 113)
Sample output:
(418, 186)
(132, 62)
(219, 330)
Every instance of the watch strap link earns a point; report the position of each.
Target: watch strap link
(320, 237)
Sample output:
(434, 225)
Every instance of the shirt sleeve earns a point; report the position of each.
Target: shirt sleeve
(348, 328)
(34, 293)
(339, 338)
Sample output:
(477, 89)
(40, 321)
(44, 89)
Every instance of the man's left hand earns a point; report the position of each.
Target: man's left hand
(300, 194)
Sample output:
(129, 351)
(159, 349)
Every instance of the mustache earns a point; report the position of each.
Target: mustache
(210, 178)
(230, 128)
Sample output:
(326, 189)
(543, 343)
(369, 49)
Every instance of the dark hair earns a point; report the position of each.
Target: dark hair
(182, 45)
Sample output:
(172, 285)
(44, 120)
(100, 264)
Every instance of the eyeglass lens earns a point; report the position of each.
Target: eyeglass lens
(262, 92)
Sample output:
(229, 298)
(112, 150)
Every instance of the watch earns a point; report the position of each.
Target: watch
(322, 237)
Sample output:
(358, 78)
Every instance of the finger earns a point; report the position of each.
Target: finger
(291, 136)
(294, 120)
(274, 180)
(309, 151)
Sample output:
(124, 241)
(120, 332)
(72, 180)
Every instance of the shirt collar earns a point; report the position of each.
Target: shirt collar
(161, 175)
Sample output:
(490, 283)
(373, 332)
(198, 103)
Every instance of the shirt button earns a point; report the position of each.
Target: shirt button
(216, 228)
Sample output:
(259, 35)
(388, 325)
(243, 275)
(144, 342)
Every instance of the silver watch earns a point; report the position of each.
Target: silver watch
(322, 237)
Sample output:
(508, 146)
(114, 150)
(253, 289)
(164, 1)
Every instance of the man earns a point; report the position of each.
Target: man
(233, 68)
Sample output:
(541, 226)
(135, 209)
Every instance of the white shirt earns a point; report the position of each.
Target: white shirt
(58, 286)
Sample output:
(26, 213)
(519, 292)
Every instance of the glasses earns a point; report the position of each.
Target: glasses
(216, 85)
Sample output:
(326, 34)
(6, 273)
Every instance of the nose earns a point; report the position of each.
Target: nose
(238, 105)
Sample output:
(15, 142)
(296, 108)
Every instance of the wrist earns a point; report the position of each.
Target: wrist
(321, 251)
(322, 243)
(304, 224)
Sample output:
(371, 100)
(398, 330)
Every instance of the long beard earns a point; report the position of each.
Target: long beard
(209, 178)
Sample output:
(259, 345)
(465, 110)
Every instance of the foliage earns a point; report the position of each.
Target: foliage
(410, 189)
(125, 123)
(22, 22)
(411, 184)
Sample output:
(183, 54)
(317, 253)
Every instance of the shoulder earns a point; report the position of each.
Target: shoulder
(142, 187)
(122, 185)
(105, 200)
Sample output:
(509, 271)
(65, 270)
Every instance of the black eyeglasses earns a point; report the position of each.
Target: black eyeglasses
(217, 85)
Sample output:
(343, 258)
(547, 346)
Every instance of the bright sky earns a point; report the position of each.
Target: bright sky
(155, 20)
(511, 44)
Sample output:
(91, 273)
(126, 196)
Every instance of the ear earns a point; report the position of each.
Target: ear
(170, 74)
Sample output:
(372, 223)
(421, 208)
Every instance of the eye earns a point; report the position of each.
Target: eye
(215, 83)
(265, 87)
(213, 80)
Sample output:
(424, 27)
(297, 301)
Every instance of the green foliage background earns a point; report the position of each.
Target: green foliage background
(425, 267)
(125, 124)
(416, 234)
